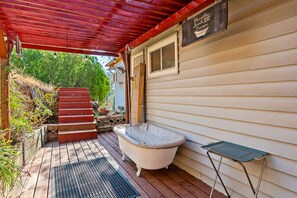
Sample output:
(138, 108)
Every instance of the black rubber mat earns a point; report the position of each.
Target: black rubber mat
(92, 178)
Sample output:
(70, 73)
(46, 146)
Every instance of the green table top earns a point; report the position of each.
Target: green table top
(234, 151)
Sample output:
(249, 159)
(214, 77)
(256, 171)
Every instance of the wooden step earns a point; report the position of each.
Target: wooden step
(77, 111)
(76, 118)
(76, 126)
(74, 93)
(73, 105)
(74, 99)
(73, 89)
(77, 135)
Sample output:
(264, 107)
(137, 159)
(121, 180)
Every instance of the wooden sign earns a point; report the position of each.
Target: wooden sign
(209, 22)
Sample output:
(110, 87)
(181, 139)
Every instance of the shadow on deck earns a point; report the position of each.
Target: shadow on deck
(173, 182)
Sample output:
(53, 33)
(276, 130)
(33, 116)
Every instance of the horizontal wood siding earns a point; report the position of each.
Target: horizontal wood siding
(240, 86)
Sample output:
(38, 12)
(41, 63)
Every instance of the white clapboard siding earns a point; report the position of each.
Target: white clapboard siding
(275, 89)
(239, 85)
(265, 124)
(201, 127)
(282, 104)
(280, 73)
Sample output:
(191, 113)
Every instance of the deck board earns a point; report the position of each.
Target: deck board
(42, 182)
(85, 147)
(64, 158)
(30, 184)
(55, 161)
(79, 152)
(71, 152)
(173, 182)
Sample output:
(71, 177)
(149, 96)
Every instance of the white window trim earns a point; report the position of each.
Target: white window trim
(159, 45)
(132, 61)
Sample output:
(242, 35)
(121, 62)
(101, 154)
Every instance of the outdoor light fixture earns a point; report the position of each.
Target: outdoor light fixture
(55, 55)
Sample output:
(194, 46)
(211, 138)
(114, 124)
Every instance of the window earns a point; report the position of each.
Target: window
(162, 57)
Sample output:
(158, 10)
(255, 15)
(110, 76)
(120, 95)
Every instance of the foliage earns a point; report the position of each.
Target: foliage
(44, 105)
(9, 170)
(20, 117)
(64, 69)
(28, 114)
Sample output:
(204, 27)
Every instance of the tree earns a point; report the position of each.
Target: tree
(65, 70)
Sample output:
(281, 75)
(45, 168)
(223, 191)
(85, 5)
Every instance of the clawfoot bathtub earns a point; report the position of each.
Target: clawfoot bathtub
(149, 146)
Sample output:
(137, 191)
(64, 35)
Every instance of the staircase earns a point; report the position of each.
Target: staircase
(76, 120)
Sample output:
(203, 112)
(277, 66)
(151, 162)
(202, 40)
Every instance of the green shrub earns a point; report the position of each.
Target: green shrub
(28, 114)
(21, 113)
(9, 170)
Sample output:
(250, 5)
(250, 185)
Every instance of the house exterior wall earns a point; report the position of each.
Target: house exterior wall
(239, 85)
(119, 94)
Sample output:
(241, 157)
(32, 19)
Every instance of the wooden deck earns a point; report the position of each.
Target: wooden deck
(173, 182)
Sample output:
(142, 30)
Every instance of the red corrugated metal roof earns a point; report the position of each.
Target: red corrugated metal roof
(88, 26)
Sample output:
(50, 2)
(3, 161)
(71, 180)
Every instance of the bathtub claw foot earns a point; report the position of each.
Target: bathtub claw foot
(138, 171)
(123, 157)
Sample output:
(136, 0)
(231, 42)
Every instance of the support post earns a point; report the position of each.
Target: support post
(5, 50)
(126, 59)
(5, 81)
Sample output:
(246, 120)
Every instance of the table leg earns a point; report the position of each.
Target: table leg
(217, 174)
(260, 177)
(259, 180)
(248, 177)
(215, 181)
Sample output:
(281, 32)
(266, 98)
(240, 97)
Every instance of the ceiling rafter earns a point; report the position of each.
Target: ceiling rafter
(63, 44)
(38, 25)
(59, 49)
(67, 20)
(88, 26)
(142, 4)
(72, 10)
(70, 38)
(95, 5)
(174, 19)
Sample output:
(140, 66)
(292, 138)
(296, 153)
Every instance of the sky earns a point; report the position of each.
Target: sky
(103, 60)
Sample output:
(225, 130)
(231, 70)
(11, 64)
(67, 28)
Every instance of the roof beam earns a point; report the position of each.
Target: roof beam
(43, 27)
(70, 50)
(174, 19)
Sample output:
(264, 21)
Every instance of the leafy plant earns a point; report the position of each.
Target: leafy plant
(28, 114)
(44, 103)
(9, 170)
(21, 114)
(64, 69)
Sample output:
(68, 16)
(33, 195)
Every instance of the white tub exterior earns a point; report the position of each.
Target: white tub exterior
(149, 146)
(150, 159)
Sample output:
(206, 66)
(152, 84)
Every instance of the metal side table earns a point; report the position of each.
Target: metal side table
(236, 153)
